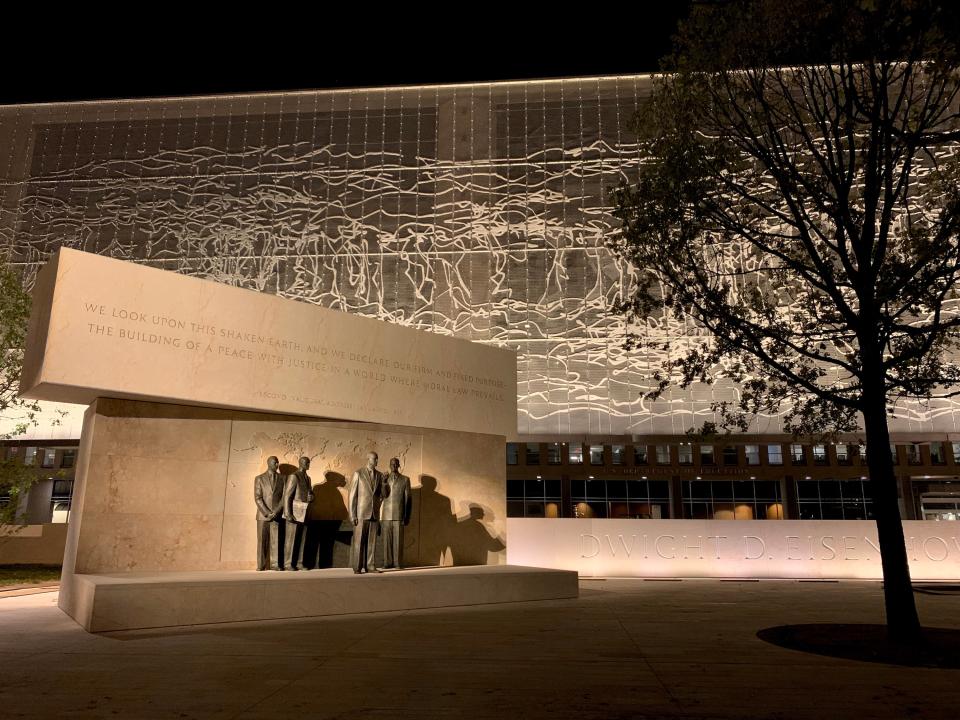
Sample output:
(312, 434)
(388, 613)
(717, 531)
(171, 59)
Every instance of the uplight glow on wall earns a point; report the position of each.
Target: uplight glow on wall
(479, 211)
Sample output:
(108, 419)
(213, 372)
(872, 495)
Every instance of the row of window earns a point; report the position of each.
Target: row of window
(61, 496)
(705, 454)
(47, 456)
(700, 499)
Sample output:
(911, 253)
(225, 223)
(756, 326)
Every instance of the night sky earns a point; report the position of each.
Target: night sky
(157, 57)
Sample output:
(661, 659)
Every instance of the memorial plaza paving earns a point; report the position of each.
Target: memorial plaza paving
(624, 649)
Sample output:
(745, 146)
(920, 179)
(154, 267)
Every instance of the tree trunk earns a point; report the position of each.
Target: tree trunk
(903, 623)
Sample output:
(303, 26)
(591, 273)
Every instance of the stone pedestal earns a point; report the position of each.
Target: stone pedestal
(128, 601)
(168, 488)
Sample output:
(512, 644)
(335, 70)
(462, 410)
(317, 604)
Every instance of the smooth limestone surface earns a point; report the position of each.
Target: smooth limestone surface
(102, 327)
(624, 649)
(169, 488)
(129, 601)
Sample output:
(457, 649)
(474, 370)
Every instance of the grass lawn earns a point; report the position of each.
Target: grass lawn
(27, 574)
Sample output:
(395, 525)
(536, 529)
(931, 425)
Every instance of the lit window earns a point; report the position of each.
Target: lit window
(732, 500)
(685, 454)
(843, 454)
(663, 454)
(610, 498)
(553, 454)
(752, 453)
(596, 454)
(618, 454)
(775, 454)
(937, 456)
(61, 512)
(533, 498)
(820, 454)
(575, 455)
(913, 453)
(49, 457)
(796, 454)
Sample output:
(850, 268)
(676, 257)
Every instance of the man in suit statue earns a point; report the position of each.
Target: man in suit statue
(397, 504)
(297, 494)
(268, 495)
(366, 494)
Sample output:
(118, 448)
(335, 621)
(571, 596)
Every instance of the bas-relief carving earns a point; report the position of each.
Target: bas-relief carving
(138, 509)
(441, 530)
(332, 454)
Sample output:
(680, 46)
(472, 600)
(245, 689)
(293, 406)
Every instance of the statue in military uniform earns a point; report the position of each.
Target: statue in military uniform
(268, 495)
(395, 515)
(297, 495)
(366, 495)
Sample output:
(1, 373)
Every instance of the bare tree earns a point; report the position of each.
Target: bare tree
(798, 199)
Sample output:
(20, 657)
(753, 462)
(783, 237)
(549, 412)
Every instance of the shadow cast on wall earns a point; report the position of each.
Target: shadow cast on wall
(327, 541)
(437, 535)
(447, 538)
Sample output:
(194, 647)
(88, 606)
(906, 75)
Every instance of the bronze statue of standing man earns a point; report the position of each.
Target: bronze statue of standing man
(268, 495)
(366, 495)
(297, 495)
(397, 504)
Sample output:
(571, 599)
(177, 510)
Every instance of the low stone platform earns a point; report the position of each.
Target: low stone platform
(128, 601)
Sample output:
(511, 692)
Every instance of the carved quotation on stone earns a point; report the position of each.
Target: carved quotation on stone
(103, 327)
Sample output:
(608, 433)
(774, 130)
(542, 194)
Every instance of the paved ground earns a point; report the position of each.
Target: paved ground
(625, 649)
(27, 589)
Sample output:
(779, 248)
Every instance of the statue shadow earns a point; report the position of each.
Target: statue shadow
(327, 542)
(446, 538)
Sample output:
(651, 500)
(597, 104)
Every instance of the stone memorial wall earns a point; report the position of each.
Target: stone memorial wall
(104, 327)
(193, 385)
(805, 549)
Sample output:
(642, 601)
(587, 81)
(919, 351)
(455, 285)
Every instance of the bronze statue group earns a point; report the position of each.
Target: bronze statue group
(379, 505)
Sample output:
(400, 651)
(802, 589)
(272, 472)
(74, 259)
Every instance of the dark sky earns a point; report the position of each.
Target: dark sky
(158, 56)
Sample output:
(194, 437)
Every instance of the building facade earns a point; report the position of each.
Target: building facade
(480, 211)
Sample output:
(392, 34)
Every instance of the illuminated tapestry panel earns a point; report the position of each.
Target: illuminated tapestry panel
(473, 210)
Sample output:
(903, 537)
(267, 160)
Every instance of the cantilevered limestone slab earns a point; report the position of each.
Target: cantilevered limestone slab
(107, 328)
(128, 601)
